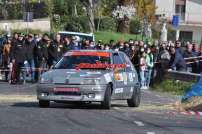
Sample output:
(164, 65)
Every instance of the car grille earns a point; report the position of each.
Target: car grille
(68, 93)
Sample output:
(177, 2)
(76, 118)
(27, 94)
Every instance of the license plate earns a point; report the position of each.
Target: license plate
(66, 89)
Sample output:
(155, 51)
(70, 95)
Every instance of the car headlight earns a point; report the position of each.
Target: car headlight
(91, 81)
(45, 80)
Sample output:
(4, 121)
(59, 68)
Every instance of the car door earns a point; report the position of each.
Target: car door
(118, 77)
(126, 76)
(133, 81)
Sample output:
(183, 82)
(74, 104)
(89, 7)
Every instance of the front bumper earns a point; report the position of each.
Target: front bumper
(92, 93)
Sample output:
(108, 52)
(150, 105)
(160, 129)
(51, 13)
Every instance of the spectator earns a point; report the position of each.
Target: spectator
(55, 51)
(150, 65)
(75, 45)
(127, 49)
(121, 46)
(66, 44)
(142, 65)
(29, 56)
(6, 57)
(196, 53)
(18, 59)
(179, 63)
(187, 54)
(164, 57)
(179, 48)
(41, 56)
(99, 45)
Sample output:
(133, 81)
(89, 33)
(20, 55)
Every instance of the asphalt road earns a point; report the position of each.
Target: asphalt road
(20, 114)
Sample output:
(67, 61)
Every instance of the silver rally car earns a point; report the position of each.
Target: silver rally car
(90, 76)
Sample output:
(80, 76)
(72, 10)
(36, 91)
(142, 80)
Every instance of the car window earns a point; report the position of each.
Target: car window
(117, 59)
(127, 61)
(70, 62)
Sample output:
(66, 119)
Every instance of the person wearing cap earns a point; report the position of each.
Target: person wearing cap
(29, 55)
(18, 58)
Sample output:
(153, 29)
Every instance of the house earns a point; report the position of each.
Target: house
(190, 17)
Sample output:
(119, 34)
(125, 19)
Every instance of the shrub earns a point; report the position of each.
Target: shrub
(135, 26)
(173, 86)
(79, 24)
(106, 24)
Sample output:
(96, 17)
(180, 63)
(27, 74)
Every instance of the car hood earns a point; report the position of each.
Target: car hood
(72, 76)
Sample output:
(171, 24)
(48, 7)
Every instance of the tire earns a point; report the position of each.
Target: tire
(106, 104)
(135, 99)
(44, 104)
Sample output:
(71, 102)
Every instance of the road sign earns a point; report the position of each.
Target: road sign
(175, 21)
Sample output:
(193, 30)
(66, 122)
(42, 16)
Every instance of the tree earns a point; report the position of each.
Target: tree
(89, 7)
(145, 11)
(123, 13)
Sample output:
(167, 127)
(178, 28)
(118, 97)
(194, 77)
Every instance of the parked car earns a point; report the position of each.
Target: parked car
(82, 36)
(90, 76)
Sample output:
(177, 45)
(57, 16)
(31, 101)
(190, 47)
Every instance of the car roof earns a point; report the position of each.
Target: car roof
(75, 33)
(86, 50)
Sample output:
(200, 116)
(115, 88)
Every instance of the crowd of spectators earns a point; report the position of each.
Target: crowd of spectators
(32, 54)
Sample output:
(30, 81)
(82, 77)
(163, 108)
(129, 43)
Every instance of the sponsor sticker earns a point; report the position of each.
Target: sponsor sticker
(118, 90)
(93, 72)
(131, 89)
(107, 78)
(130, 77)
(125, 78)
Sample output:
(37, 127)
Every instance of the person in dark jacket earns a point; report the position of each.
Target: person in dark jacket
(41, 56)
(18, 58)
(196, 53)
(66, 44)
(188, 54)
(127, 49)
(29, 56)
(178, 63)
(55, 50)
(179, 48)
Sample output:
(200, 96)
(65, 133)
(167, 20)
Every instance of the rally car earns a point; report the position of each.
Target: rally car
(90, 76)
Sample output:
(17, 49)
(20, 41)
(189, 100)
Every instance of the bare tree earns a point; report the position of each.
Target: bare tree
(89, 6)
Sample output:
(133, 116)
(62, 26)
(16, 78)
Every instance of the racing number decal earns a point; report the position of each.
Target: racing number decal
(125, 78)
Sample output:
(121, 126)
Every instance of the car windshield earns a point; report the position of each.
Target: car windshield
(71, 62)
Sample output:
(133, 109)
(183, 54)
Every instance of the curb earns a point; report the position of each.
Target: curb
(188, 113)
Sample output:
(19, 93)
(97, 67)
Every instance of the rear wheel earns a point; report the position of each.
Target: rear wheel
(135, 99)
(44, 104)
(106, 104)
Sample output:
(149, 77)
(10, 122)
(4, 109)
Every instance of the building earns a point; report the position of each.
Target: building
(190, 17)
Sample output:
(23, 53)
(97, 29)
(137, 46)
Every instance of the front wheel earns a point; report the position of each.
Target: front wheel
(106, 104)
(44, 104)
(135, 99)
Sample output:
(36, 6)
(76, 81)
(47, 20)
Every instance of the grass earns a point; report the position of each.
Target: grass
(173, 86)
(107, 36)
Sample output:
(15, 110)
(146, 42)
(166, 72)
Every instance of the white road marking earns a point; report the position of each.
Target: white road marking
(139, 123)
(150, 133)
